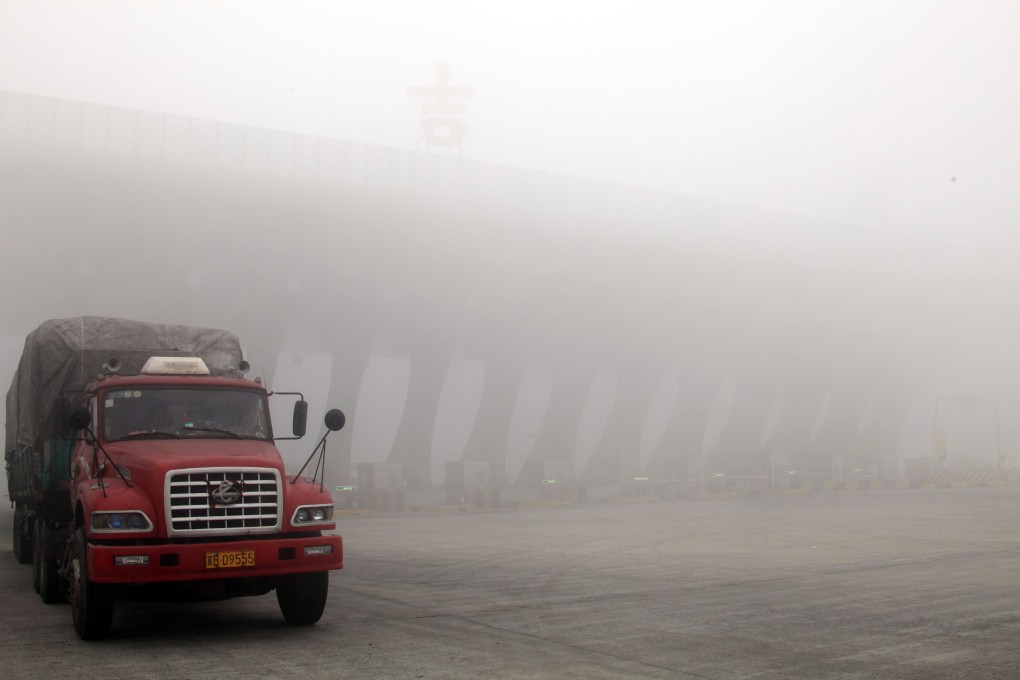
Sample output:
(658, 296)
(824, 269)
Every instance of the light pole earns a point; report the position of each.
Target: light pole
(701, 473)
(939, 436)
(998, 436)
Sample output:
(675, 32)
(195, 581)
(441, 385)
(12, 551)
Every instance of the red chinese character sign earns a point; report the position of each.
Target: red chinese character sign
(442, 119)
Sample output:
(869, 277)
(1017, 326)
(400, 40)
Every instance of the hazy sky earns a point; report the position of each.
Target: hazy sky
(859, 112)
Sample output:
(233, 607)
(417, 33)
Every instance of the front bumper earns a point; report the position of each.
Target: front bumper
(187, 561)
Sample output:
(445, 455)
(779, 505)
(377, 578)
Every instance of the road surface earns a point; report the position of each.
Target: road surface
(897, 584)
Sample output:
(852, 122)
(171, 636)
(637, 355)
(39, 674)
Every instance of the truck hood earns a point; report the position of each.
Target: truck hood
(156, 457)
(149, 463)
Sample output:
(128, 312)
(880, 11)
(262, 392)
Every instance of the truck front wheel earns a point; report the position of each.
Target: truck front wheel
(91, 603)
(302, 597)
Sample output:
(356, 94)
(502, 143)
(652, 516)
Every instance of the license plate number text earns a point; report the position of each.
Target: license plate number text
(225, 560)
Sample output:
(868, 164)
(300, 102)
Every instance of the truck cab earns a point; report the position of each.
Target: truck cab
(177, 491)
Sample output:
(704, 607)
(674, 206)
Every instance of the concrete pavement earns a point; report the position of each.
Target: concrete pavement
(892, 585)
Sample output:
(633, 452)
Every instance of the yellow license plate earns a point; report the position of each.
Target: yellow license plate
(224, 560)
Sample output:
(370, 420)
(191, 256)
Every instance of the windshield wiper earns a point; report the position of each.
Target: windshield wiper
(154, 434)
(193, 428)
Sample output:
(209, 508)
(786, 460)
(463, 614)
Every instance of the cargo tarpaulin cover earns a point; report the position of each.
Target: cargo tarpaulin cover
(67, 354)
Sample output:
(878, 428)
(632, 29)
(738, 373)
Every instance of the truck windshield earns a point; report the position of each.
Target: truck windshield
(156, 412)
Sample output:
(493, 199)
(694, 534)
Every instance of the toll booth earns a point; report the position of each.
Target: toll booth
(381, 486)
(346, 497)
(919, 468)
(557, 481)
(750, 484)
(632, 482)
(470, 482)
(718, 482)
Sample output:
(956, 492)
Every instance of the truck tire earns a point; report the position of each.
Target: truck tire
(302, 597)
(91, 603)
(36, 554)
(46, 578)
(21, 540)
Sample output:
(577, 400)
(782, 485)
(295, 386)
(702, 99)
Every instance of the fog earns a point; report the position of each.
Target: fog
(674, 237)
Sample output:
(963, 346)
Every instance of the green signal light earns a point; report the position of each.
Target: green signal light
(550, 481)
(349, 487)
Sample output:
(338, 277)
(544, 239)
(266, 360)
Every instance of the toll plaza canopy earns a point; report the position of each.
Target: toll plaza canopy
(545, 325)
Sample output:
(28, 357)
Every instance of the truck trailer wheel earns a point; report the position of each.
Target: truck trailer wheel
(22, 536)
(302, 597)
(91, 603)
(46, 578)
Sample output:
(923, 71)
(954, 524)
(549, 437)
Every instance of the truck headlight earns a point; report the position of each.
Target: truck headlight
(121, 520)
(311, 514)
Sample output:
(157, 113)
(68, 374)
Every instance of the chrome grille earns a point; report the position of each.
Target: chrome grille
(192, 507)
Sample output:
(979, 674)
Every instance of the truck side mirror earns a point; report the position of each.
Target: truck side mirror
(335, 419)
(80, 418)
(300, 423)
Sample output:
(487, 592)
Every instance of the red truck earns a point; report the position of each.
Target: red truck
(141, 464)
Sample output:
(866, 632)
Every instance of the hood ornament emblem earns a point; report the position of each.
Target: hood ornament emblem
(227, 493)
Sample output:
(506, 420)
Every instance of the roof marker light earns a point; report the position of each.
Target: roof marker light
(175, 366)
